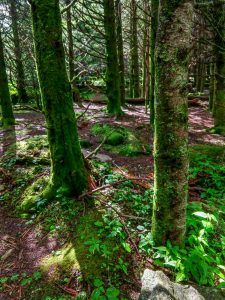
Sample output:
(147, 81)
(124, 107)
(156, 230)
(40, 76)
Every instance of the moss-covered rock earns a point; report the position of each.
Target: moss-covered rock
(115, 139)
(119, 140)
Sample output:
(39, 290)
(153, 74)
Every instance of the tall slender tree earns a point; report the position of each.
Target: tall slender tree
(171, 121)
(120, 50)
(67, 165)
(5, 101)
(20, 76)
(112, 69)
(134, 56)
(154, 26)
(219, 33)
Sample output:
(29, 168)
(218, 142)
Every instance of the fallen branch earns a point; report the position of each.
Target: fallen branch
(67, 290)
(24, 107)
(83, 113)
(110, 185)
(99, 146)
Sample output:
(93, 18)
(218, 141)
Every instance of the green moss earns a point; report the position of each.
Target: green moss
(120, 140)
(115, 139)
(99, 129)
(217, 130)
(30, 198)
(76, 254)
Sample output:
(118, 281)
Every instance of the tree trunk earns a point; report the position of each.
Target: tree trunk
(154, 26)
(212, 86)
(134, 68)
(171, 121)
(112, 69)
(146, 55)
(219, 105)
(120, 50)
(67, 165)
(5, 101)
(22, 94)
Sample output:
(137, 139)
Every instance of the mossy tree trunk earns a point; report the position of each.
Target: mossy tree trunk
(120, 50)
(112, 69)
(72, 78)
(134, 57)
(70, 41)
(171, 121)
(219, 105)
(20, 76)
(67, 165)
(154, 26)
(212, 86)
(146, 55)
(5, 101)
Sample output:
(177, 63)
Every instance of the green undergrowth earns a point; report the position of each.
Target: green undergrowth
(99, 235)
(217, 130)
(202, 258)
(120, 140)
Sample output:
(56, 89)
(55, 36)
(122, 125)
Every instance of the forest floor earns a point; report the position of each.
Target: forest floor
(24, 243)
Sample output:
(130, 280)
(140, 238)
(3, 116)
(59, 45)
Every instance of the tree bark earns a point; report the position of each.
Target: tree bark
(67, 165)
(120, 50)
(5, 101)
(20, 76)
(219, 105)
(112, 69)
(212, 86)
(171, 121)
(134, 58)
(154, 26)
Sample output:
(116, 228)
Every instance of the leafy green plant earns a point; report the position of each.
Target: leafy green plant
(100, 293)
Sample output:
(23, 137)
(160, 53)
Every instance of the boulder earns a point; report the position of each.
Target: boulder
(157, 286)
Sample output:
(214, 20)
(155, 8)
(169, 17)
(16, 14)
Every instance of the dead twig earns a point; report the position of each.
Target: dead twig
(99, 146)
(83, 113)
(111, 185)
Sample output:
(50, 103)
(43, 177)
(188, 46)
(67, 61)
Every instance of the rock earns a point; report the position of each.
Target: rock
(99, 156)
(115, 139)
(157, 286)
(103, 157)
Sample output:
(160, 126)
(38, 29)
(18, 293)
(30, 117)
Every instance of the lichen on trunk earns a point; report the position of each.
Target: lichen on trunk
(112, 69)
(171, 122)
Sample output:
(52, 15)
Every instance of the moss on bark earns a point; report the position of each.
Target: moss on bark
(171, 122)
(67, 165)
(20, 76)
(154, 25)
(5, 101)
(134, 56)
(212, 86)
(112, 69)
(120, 50)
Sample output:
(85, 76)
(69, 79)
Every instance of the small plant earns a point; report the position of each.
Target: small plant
(100, 293)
